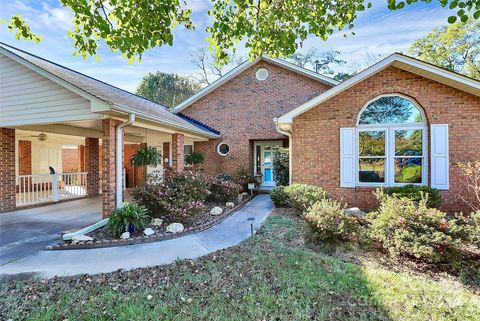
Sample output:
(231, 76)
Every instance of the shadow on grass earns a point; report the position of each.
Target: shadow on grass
(271, 276)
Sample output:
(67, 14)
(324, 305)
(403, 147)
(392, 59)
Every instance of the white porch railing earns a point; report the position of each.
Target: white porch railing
(42, 188)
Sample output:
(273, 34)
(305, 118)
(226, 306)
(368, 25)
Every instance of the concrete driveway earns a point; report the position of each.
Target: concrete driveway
(26, 232)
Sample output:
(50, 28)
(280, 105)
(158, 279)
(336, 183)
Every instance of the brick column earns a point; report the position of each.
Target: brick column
(166, 155)
(90, 165)
(7, 169)
(81, 158)
(178, 162)
(24, 157)
(108, 166)
(141, 171)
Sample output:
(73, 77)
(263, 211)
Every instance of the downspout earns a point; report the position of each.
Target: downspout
(119, 159)
(290, 152)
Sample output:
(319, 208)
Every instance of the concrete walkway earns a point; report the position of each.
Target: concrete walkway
(231, 231)
(25, 232)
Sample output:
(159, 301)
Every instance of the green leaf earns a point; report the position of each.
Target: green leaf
(452, 19)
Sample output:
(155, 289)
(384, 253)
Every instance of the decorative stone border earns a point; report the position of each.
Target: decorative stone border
(147, 239)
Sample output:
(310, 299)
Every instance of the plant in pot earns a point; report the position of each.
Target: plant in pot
(128, 218)
(194, 158)
(147, 156)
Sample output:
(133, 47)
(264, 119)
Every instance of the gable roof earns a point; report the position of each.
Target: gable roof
(96, 90)
(398, 60)
(244, 66)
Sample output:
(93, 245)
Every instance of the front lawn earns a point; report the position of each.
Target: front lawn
(271, 276)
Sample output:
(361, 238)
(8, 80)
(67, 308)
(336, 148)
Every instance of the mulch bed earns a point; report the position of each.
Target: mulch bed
(101, 238)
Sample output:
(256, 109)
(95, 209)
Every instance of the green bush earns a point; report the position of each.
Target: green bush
(327, 220)
(303, 196)
(279, 197)
(414, 193)
(280, 166)
(121, 218)
(468, 227)
(405, 227)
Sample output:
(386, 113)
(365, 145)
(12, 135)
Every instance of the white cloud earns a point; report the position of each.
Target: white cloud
(58, 17)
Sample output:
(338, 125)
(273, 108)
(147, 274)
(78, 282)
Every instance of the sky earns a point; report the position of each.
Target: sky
(378, 31)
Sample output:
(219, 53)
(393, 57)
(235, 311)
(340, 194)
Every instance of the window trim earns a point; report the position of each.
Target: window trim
(220, 153)
(390, 146)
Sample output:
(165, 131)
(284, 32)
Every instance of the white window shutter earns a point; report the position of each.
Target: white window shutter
(348, 157)
(439, 156)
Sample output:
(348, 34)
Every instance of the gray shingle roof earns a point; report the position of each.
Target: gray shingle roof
(119, 99)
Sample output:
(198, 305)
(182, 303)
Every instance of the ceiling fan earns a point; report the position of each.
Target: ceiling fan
(41, 137)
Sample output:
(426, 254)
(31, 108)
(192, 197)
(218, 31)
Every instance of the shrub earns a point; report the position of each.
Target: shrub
(416, 193)
(279, 197)
(129, 214)
(471, 173)
(280, 166)
(225, 190)
(183, 194)
(327, 220)
(468, 228)
(303, 196)
(147, 195)
(242, 177)
(405, 227)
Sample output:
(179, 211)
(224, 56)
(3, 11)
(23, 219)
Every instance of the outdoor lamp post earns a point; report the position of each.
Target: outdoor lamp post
(251, 220)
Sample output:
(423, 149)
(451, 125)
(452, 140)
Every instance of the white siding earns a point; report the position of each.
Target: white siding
(27, 97)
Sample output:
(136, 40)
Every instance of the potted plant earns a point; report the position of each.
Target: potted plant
(259, 178)
(194, 158)
(148, 156)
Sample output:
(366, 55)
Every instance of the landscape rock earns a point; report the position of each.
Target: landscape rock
(81, 238)
(157, 222)
(148, 231)
(245, 195)
(355, 211)
(230, 204)
(175, 228)
(240, 198)
(125, 235)
(216, 211)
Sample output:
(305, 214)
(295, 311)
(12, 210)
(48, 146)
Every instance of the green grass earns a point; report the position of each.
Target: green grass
(271, 276)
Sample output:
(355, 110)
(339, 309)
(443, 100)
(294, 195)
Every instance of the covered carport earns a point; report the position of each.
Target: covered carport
(28, 231)
(39, 96)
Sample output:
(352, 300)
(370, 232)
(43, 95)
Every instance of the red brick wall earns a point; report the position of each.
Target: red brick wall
(316, 142)
(70, 160)
(178, 160)
(108, 166)
(24, 157)
(92, 157)
(7, 169)
(243, 110)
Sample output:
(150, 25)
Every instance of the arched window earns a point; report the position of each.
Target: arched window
(391, 142)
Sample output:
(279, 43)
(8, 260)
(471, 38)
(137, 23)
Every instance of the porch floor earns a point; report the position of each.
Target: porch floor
(28, 231)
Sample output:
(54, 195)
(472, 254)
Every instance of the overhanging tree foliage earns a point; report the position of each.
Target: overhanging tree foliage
(272, 27)
(167, 89)
(455, 47)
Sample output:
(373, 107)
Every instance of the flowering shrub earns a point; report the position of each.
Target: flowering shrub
(405, 227)
(225, 190)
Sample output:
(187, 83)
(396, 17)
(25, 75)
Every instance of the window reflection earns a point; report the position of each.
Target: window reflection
(390, 110)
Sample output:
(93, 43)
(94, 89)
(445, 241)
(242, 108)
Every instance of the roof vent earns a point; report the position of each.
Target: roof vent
(262, 74)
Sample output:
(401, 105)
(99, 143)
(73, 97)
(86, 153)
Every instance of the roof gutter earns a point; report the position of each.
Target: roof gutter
(119, 159)
(290, 144)
(125, 109)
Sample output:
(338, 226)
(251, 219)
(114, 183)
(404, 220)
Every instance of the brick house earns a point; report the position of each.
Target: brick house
(398, 122)
(401, 121)
(242, 105)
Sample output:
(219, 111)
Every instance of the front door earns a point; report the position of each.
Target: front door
(264, 162)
